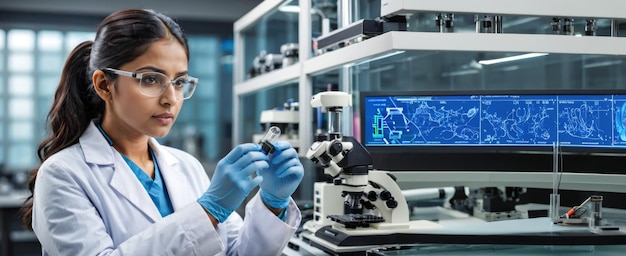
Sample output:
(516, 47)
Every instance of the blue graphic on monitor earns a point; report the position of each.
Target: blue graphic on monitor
(409, 120)
(620, 120)
(591, 120)
(526, 119)
(585, 120)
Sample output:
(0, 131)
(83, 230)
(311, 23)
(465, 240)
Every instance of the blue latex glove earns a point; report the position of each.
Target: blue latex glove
(283, 176)
(232, 182)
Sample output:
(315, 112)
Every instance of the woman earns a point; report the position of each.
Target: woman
(106, 186)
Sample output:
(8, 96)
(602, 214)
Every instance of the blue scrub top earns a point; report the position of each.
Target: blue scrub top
(155, 188)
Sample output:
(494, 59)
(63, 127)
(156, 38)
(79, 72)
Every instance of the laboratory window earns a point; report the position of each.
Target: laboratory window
(21, 40)
(74, 38)
(20, 85)
(31, 62)
(50, 41)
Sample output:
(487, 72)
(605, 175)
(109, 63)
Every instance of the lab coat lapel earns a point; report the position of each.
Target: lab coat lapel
(97, 151)
(180, 195)
(127, 184)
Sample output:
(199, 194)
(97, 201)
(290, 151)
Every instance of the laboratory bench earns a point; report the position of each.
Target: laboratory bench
(460, 234)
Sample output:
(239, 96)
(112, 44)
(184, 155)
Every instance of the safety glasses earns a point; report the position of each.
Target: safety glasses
(154, 84)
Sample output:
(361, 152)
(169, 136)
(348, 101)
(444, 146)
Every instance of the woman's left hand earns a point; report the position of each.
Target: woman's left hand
(283, 176)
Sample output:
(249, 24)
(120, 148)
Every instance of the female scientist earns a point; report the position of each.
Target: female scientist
(107, 187)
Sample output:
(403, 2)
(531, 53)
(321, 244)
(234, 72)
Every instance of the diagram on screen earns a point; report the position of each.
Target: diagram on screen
(620, 121)
(518, 120)
(579, 120)
(585, 121)
(428, 121)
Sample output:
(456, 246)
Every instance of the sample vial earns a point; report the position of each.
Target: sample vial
(595, 216)
(270, 136)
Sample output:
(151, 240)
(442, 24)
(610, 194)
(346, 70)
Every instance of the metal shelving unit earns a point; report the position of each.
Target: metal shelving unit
(392, 42)
(284, 76)
(571, 8)
(397, 42)
(269, 80)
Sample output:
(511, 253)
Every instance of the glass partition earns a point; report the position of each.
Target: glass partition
(267, 99)
(264, 39)
(476, 71)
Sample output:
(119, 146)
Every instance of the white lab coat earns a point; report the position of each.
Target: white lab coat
(88, 202)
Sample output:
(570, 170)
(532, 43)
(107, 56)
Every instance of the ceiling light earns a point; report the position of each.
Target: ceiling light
(289, 8)
(512, 58)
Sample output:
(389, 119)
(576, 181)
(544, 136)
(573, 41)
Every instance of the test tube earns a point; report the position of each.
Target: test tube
(595, 217)
(270, 136)
(555, 198)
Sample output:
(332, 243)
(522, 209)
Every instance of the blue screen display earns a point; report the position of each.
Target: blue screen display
(495, 120)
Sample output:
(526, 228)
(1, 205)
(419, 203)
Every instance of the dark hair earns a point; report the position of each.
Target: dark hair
(120, 38)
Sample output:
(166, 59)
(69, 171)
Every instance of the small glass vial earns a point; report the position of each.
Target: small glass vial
(268, 139)
(595, 216)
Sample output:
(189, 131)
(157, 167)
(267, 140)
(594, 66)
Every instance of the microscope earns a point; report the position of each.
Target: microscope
(373, 203)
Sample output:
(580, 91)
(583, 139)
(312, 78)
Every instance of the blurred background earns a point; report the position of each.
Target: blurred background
(36, 37)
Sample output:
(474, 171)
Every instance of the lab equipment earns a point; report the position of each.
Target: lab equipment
(264, 63)
(268, 139)
(371, 199)
(588, 212)
(257, 64)
(591, 27)
(290, 52)
(496, 204)
(595, 216)
(231, 181)
(286, 118)
(445, 22)
(357, 32)
(488, 23)
(527, 8)
(273, 61)
(555, 197)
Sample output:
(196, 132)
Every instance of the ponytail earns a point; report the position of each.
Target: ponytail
(75, 105)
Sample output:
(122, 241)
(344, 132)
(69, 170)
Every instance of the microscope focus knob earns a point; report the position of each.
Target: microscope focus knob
(372, 196)
(392, 203)
(385, 195)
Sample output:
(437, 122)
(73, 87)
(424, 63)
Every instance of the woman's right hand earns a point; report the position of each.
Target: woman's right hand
(232, 180)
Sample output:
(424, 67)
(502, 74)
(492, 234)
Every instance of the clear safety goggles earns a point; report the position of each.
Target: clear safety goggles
(154, 84)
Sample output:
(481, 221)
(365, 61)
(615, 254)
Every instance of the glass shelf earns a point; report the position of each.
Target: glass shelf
(573, 181)
(273, 79)
(391, 43)
(471, 71)
(553, 8)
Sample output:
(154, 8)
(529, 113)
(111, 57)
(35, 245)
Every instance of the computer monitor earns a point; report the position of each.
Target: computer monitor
(495, 130)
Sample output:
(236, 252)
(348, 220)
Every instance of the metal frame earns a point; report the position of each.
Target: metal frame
(573, 181)
(553, 8)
